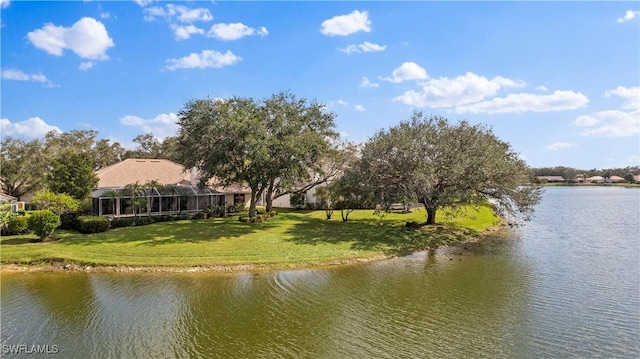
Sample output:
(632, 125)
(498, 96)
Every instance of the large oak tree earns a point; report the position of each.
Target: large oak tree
(240, 140)
(442, 165)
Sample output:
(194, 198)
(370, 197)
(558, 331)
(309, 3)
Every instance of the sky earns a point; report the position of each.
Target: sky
(559, 81)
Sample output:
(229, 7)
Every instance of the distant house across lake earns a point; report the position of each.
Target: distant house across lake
(554, 179)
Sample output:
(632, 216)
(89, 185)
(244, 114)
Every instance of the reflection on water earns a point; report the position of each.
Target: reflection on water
(566, 285)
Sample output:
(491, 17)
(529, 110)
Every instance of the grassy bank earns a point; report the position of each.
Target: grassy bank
(292, 239)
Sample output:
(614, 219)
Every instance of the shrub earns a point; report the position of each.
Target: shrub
(137, 221)
(92, 224)
(43, 223)
(261, 209)
(297, 200)
(56, 202)
(14, 224)
(69, 220)
(199, 215)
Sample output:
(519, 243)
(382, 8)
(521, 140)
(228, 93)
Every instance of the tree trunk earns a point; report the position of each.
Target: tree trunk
(431, 215)
(269, 199)
(252, 204)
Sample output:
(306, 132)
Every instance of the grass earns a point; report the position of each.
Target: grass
(292, 239)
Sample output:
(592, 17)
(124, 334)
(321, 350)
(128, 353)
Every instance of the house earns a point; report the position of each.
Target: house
(595, 179)
(5, 198)
(168, 188)
(616, 179)
(636, 178)
(550, 179)
(311, 199)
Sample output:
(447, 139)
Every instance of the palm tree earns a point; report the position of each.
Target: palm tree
(138, 196)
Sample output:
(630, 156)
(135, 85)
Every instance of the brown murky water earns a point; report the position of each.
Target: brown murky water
(567, 285)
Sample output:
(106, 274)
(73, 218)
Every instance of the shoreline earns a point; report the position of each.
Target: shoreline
(64, 266)
(72, 267)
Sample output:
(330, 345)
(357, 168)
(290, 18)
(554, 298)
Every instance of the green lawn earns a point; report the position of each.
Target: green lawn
(291, 239)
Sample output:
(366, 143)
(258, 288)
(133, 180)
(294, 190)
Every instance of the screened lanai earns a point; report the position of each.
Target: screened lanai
(153, 200)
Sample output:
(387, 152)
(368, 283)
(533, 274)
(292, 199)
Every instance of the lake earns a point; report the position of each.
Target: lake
(566, 285)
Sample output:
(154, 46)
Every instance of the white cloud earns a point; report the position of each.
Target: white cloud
(185, 32)
(364, 47)
(615, 123)
(407, 71)
(586, 120)
(526, 102)
(105, 15)
(366, 83)
(205, 59)
(4, 4)
(631, 94)
(86, 65)
(465, 89)
(88, 38)
(344, 25)
(17, 75)
(143, 3)
(359, 108)
(180, 13)
(612, 123)
(629, 15)
(234, 31)
(32, 127)
(560, 146)
(342, 102)
(161, 126)
(542, 88)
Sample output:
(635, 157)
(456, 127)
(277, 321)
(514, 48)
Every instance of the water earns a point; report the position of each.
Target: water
(567, 285)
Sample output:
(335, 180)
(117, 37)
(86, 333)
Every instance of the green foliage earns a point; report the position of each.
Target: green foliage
(72, 173)
(23, 166)
(199, 215)
(13, 224)
(69, 220)
(239, 140)
(297, 200)
(43, 223)
(93, 224)
(440, 165)
(133, 221)
(58, 203)
(138, 193)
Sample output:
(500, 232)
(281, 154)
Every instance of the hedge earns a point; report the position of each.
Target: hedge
(92, 224)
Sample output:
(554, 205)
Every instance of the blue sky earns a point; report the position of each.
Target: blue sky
(558, 81)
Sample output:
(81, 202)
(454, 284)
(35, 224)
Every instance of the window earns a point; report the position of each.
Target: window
(238, 198)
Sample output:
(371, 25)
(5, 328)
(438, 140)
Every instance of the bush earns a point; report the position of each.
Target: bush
(92, 224)
(131, 221)
(261, 209)
(297, 200)
(199, 215)
(233, 208)
(14, 225)
(69, 220)
(43, 223)
(56, 202)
